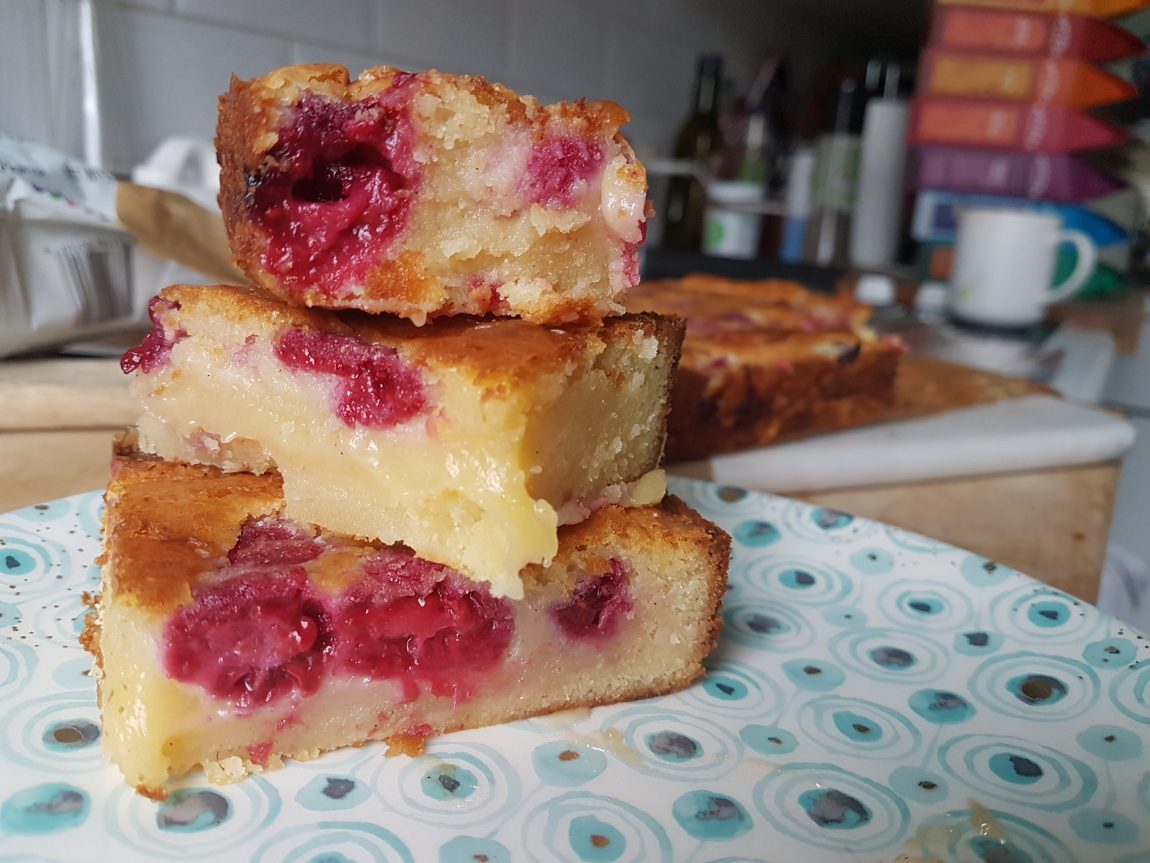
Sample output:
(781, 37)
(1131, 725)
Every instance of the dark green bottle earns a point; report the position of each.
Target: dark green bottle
(699, 143)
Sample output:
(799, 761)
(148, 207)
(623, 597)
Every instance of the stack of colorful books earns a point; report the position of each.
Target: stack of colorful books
(1006, 115)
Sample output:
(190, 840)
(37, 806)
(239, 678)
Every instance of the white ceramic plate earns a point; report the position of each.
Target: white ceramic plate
(874, 694)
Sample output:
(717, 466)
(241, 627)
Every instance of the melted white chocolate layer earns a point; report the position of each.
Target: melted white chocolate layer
(476, 481)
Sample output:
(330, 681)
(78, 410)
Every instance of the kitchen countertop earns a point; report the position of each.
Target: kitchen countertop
(1052, 524)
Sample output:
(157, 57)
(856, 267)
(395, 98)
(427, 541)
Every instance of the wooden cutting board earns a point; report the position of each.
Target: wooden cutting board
(67, 393)
(927, 386)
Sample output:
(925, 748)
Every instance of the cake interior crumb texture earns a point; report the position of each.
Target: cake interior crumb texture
(230, 638)
(469, 440)
(428, 194)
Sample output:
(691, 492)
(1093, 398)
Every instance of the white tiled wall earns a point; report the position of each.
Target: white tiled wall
(164, 62)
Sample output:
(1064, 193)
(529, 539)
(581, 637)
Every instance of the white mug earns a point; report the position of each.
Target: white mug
(1004, 263)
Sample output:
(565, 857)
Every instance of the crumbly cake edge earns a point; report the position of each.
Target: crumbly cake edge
(250, 112)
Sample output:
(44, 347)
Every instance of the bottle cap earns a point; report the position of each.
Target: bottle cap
(932, 297)
(875, 289)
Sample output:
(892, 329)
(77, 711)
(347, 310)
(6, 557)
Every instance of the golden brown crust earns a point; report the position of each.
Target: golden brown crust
(405, 282)
(713, 304)
(166, 522)
(250, 111)
(500, 349)
(90, 634)
(763, 361)
(717, 548)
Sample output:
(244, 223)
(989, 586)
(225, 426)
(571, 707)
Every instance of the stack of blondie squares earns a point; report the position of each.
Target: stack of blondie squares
(408, 481)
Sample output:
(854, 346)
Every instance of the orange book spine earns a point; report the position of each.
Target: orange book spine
(1093, 8)
(1016, 79)
(1027, 34)
(1010, 125)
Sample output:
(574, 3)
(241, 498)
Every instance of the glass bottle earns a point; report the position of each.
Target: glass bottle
(697, 145)
(835, 183)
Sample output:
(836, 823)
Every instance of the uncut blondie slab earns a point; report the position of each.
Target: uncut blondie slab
(768, 360)
(468, 440)
(230, 637)
(427, 194)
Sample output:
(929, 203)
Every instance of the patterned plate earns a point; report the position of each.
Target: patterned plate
(875, 694)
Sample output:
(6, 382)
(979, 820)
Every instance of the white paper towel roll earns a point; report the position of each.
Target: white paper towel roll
(878, 211)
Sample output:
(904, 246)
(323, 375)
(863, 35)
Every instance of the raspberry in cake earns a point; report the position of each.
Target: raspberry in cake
(427, 194)
(231, 637)
(468, 440)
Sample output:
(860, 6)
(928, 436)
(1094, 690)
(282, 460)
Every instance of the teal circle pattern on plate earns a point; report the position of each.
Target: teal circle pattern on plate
(854, 726)
(1035, 686)
(567, 763)
(1104, 826)
(42, 512)
(450, 784)
(1110, 653)
(1130, 692)
(1111, 742)
(10, 615)
(769, 740)
(872, 561)
(711, 815)
(330, 793)
(736, 689)
(56, 732)
(1013, 770)
(195, 821)
(469, 849)
(76, 673)
(802, 582)
(815, 675)
(18, 664)
(977, 642)
(918, 785)
(29, 563)
(914, 542)
(676, 745)
(982, 572)
(987, 835)
(46, 808)
(874, 693)
(940, 706)
(87, 511)
(61, 622)
(890, 655)
(1045, 615)
(824, 806)
(823, 525)
(334, 842)
(915, 603)
(773, 628)
(726, 502)
(755, 533)
(579, 827)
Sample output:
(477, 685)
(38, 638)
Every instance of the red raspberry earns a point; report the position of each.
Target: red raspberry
(598, 605)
